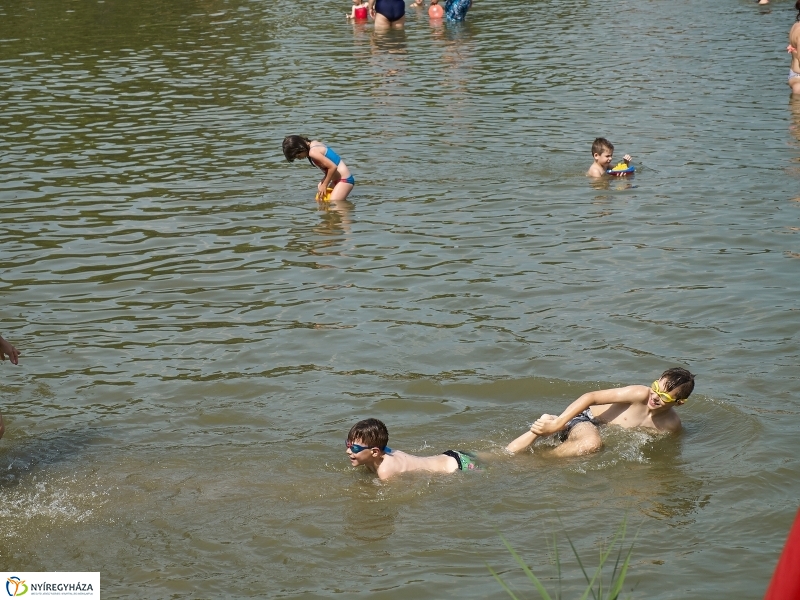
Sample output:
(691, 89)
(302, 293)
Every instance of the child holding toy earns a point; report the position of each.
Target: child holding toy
(336, 173)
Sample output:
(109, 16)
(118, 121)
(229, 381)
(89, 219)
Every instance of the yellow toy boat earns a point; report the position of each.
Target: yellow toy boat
(621, 169)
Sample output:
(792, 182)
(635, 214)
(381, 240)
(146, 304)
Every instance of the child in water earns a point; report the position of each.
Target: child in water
(602, 152)
(435, 11)
(336, 173)
(367, 445)
(632, 406)
(359, 11)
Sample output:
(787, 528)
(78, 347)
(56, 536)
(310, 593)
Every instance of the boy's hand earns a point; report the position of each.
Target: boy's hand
(545, 425)
(7, 348)
(627, 158)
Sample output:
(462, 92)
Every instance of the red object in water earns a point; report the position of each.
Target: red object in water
(785, 584)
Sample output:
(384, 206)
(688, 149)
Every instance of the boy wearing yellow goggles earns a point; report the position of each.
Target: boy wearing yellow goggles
(632, 406)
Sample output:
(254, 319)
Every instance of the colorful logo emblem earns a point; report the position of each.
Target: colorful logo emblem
(17, 585)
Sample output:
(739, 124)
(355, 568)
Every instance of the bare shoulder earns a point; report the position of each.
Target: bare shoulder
(392, 464)
(668, 421)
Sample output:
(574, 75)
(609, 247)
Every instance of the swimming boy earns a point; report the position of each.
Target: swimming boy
(602, 152)
(632, 406)
(367, 445)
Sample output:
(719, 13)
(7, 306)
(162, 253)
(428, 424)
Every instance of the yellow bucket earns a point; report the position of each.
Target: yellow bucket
(324, 197)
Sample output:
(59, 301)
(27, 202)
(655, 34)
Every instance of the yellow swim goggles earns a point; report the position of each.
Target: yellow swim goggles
(665, 397)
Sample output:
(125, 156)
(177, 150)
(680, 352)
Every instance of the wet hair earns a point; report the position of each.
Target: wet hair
(600, 144)
(678, 381)
(297, 144)
(370, 432)
(797, 8)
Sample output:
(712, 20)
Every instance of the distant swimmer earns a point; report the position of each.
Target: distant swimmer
(456, 10)
(6, 348)
(388, 14)
(366, 445)
(794, 44)
(603, 152)
(336, 173)
(435, 11)
(632, 406)
(359, 12)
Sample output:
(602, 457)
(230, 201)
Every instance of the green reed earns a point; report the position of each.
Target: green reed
(595, 586)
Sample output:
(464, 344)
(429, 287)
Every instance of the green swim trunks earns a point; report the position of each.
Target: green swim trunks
(465, 460)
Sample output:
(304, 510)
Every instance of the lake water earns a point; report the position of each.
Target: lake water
(198, 336)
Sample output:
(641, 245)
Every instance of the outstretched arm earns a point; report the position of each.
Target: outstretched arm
(527, 438)
(7, 348)
(522, 442)
(548, 424)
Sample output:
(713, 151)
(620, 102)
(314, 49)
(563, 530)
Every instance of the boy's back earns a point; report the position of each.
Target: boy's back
(400, 462)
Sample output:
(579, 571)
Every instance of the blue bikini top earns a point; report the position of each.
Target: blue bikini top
(329, 154)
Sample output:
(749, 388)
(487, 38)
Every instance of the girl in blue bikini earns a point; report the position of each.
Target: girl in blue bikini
(337, 175)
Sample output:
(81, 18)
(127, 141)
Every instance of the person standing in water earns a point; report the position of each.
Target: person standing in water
(388, 14)
(336, 173)
(456, 10)
(792, 48)
(359, 11)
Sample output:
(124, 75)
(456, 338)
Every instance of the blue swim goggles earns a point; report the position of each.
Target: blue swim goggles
(355, 448)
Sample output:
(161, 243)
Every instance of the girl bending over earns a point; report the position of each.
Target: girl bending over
(337, 175)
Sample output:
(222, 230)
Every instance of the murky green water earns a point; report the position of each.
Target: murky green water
(198, 337)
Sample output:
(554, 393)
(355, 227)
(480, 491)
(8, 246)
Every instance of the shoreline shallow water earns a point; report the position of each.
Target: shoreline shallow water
(197, 336)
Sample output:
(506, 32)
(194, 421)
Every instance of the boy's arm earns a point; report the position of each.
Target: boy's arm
(626, 395)
(522, 442)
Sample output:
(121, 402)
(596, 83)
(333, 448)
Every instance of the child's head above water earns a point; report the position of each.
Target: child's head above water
(371, 433)
(677, 383)
(294, 146)
(602, 152)
(600, 145)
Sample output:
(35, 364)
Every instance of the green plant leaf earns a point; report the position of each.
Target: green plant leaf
(527, 571)
(501, 582)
